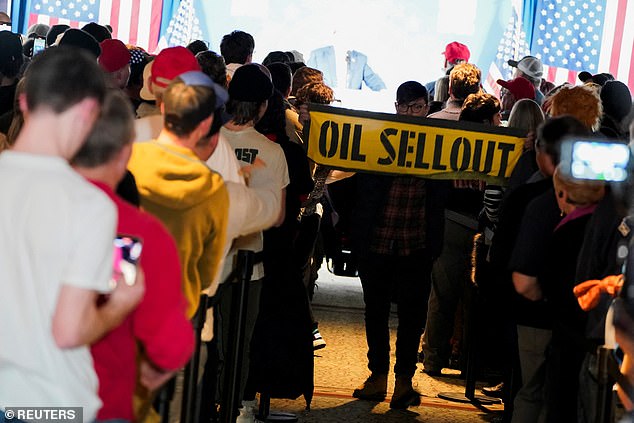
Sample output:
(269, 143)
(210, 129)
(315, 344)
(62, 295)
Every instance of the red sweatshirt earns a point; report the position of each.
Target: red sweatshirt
(158, 324)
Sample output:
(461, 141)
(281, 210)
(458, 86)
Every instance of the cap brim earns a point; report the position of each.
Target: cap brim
(503, 83)
(584, 76)
(512, 63)
(145, 92)
(222, 96)
(201, 79)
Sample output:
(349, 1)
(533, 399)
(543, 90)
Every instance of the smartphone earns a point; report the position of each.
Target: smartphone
(39, 44)
(598, 160)
(127, 252)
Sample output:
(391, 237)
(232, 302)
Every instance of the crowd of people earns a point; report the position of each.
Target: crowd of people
(196, 155)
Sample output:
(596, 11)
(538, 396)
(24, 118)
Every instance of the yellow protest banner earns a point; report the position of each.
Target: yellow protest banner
(406, 145)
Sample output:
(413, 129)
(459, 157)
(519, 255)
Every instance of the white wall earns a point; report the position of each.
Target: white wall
(403, 39)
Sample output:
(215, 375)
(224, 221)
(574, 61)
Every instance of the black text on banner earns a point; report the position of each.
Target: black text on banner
(379, 142)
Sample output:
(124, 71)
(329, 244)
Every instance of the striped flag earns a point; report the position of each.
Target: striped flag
(571, 36)
(513, 45)
(136, 22)
(183, 28)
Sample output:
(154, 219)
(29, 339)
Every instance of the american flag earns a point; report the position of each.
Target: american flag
(570, 36)
(183, 28)
(513, 45)
(136, 22)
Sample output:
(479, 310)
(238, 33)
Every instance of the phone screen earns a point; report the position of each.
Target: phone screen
(601, 161)
(127, 251)
(39, 44)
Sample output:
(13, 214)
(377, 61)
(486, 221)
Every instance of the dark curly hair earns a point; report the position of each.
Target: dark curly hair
(480, 108)
(315, 92)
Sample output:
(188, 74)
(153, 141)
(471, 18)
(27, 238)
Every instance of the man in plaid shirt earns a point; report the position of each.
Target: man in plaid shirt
(397, 233)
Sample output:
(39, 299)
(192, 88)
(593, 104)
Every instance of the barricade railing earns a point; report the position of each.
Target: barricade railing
(192, 402)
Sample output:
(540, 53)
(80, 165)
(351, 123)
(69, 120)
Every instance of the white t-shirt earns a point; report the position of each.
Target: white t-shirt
(249, 209)
(148, 127)
(56, 228)
(268, 171)
(223, 160)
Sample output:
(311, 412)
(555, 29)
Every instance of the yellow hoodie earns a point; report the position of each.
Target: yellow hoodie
(192, 201)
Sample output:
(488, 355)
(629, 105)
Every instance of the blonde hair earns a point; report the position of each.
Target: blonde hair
(580, 192)
(18, 118)
(581, 102)
(526, 114)
(464, 79)
(3, 142)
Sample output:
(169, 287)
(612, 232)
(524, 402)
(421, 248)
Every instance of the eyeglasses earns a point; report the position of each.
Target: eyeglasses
(414, 107)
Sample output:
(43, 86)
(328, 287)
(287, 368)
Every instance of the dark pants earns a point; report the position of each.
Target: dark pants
(564, 363)
(450, 277)
(406, 281)
(589, 393)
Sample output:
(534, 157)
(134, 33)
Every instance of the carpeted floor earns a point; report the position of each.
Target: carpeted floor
(341, 367)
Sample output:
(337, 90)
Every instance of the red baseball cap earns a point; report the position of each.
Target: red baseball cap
(519, 87)
(170, 63)
(456, 51)
(114, 55)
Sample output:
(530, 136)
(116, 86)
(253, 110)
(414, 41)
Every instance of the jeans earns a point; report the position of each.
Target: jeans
(449, 277)
(530, 404)
(406, 281)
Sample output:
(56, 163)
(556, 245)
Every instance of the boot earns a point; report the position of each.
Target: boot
(404, 394)
(496, 391)
(373, 389)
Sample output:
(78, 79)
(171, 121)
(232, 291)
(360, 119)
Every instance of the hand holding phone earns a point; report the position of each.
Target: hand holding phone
(124, 298)
(39, 44)
(127, 252)
(595, 159)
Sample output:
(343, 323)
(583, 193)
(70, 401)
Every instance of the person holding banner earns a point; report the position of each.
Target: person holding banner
(397, 233)
(485, 108)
